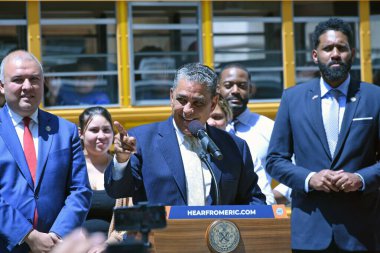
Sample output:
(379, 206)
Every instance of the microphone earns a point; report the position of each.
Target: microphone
(197, 130)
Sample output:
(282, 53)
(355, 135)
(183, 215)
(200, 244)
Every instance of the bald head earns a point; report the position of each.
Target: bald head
(22, 82)
(19, 55)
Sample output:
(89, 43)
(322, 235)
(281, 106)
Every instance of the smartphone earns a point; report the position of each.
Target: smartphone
(139, 217)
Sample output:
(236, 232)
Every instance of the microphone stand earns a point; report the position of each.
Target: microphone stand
(203, 157)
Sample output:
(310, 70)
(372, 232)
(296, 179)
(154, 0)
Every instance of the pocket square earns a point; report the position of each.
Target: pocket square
(363, 118)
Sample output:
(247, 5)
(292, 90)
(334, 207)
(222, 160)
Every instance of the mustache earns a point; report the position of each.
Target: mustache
(336, 62)
(238, 97)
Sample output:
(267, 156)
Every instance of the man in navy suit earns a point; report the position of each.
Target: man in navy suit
(336, 179)
(46, 195)
(161, 170)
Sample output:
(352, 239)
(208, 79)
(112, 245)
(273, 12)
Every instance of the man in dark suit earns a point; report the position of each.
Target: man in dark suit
(164, 168)
(331, 125)
(44, 188)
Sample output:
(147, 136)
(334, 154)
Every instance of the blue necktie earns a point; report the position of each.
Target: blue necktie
(331, 122)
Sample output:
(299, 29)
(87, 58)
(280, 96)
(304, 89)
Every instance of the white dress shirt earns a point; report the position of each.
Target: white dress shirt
(186, 155)
(285, 191)
(256, 130)
(326, 98)
(19, 126)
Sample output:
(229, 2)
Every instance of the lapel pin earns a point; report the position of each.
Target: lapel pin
(48, 128)
(314, 97)
(353, 99)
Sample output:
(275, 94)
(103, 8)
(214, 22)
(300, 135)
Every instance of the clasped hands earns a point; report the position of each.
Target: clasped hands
(337, 181)
(124, 145)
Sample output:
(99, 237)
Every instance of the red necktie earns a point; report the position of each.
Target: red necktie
(31, 158)
(29, 150)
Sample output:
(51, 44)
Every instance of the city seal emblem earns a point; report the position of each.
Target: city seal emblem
(223, 236)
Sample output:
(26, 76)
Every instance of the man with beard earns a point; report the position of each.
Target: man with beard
(236, 87)
(331, 125)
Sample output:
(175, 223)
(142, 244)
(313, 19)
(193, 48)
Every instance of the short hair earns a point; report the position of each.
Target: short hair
(197, 72)
(225, 107)
(238, 66)
(86, 116)
(334, 24)
(6, 58)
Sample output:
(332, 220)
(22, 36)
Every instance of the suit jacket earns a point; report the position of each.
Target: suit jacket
(61, 192)
(352, 219)
(157, 174)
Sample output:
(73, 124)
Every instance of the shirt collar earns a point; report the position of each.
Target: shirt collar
(180, 135)
(244, 117)
(16, 118)
(343, 88)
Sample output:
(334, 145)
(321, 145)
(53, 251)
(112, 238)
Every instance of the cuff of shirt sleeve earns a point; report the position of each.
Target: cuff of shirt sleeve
(58, 236)
(118, 169)
(363, 182)
(23, 239)
(307, 181)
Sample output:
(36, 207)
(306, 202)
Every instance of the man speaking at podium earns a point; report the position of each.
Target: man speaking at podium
(165, 166)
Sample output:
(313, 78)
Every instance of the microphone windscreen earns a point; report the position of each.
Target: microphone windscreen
(195, 126)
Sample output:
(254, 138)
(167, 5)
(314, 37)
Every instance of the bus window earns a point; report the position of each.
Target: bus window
(79, 53)
(163, 37)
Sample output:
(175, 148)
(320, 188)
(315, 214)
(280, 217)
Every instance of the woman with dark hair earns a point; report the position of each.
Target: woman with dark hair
(96, 133)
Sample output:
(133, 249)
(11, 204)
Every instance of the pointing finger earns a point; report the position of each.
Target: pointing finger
(120, 129)
(119, 126)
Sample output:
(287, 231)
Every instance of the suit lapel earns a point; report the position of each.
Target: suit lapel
(218, 176)
(315, 109)
(216, 168)
(353, 98)
(168, 144)
(44, 142)
(9, 135)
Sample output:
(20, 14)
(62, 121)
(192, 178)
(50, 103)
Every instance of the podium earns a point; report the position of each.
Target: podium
(262, 229)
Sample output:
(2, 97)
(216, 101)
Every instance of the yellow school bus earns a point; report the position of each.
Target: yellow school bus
(123, 54)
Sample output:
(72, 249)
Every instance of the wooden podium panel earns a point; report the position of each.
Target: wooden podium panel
(256, 235)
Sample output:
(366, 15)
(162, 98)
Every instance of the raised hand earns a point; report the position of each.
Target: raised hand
(124, 145)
